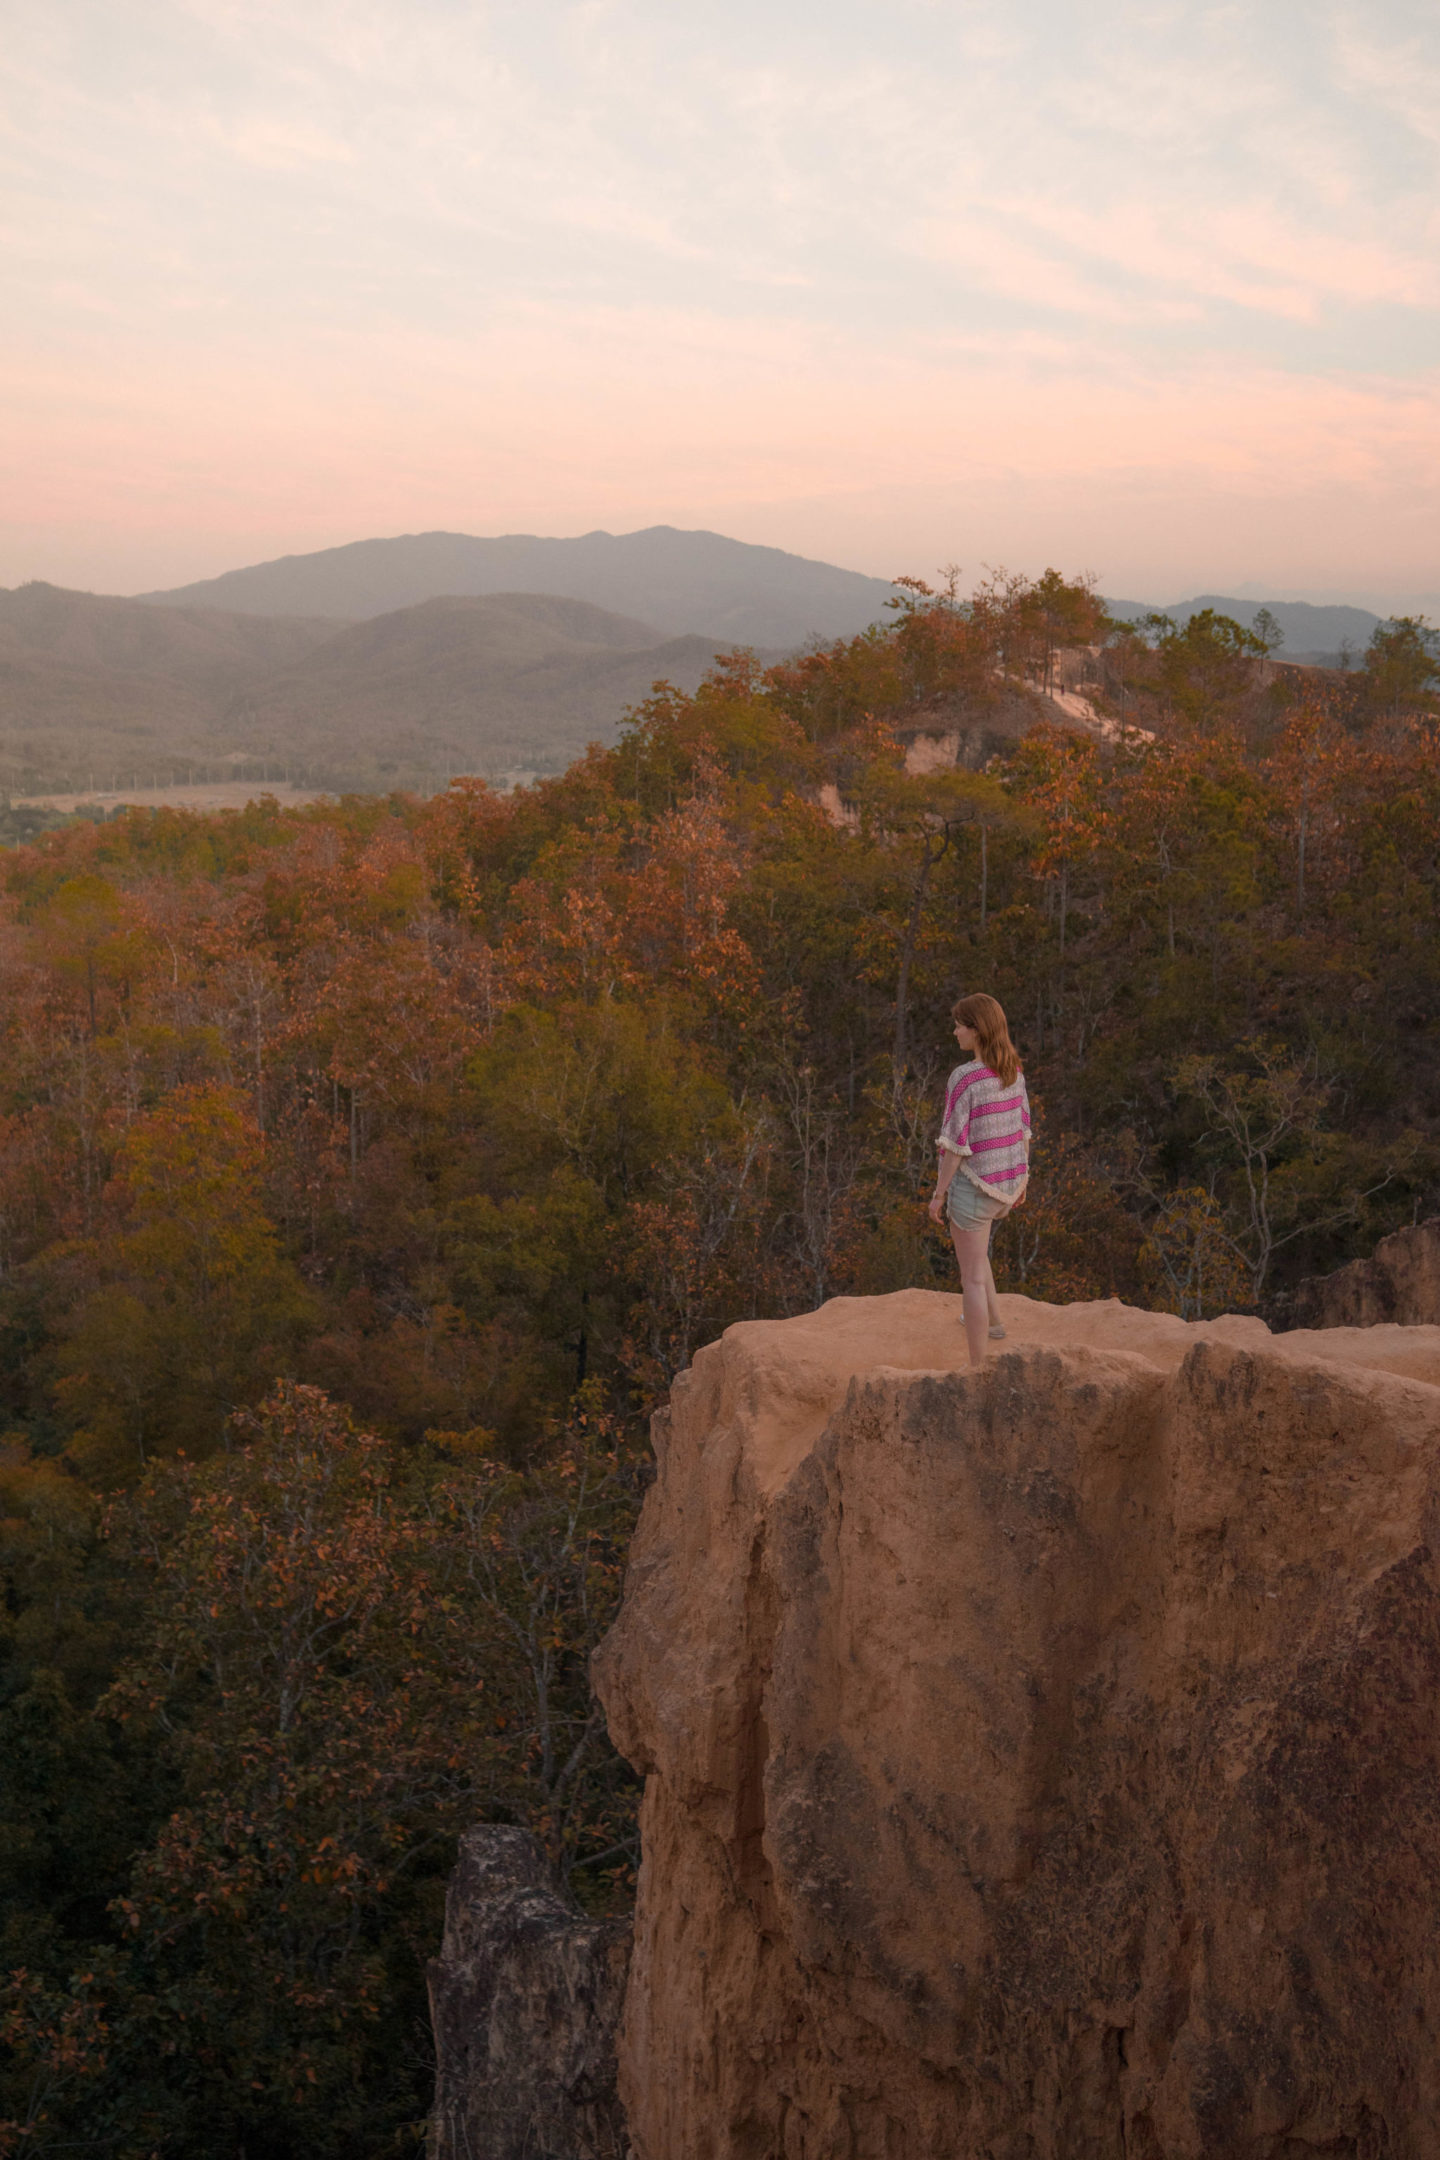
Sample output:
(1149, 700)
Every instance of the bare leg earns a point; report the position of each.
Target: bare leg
(992, 1299)
(978, 1285)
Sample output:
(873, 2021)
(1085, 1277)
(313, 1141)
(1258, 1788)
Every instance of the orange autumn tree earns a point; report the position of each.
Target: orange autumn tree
(484, 1114)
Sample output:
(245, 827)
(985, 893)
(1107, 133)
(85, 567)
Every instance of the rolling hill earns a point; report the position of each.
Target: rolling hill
(513, 680)
(87, 681)
(683, 583)
(93, 687)
(201, 646)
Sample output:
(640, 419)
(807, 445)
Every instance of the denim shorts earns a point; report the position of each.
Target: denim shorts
(971, 1209)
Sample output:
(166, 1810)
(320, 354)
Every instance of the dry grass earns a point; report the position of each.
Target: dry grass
(203, 795)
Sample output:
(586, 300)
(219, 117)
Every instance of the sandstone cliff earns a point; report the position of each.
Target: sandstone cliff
(1042, 1764)
(1400, 1282)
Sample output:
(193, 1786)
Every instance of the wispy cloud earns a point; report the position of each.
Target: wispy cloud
(622, 257)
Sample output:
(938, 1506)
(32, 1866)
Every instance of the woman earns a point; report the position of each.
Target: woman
(984, 1155)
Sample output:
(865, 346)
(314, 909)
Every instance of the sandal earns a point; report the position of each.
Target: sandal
(997, 1333)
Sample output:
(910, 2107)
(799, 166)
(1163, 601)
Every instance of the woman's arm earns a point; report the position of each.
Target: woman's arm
(954, 1140)
(945, 1170)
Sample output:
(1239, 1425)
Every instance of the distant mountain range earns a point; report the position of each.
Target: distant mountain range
(1316, 634)
(392, 662)
(681, 583)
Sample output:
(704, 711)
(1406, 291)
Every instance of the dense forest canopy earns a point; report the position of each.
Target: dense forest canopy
(367, 1171)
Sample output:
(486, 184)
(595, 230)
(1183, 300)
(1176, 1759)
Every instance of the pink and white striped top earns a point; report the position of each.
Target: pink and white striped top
(988, 1125)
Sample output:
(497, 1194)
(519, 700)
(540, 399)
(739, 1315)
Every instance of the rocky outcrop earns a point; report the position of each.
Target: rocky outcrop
(524, 2000)
(1041, 1763)
(1400, 1282)
(969, 731)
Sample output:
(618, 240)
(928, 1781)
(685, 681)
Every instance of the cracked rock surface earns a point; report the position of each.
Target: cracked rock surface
(524, 1999)
(1041, 1763)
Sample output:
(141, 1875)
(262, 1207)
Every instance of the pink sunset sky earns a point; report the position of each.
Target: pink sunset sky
(1151, 290)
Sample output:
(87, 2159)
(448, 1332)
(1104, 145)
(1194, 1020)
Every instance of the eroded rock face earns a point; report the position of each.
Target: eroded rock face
(1042, 1764)
(1400, 1282)
(524, 2000)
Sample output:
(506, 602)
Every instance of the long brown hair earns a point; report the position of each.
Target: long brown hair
(987, 1017)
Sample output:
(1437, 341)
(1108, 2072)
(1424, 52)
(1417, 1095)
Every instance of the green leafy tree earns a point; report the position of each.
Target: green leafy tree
(1206, 666)
(1266, 631)
(1265, 1116)
(347, 1653)
(1402, 664)
(91, 938)
(189, 1307)
(1056, 612)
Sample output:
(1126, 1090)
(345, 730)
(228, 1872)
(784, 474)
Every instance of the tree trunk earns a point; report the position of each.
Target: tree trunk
(907, 955)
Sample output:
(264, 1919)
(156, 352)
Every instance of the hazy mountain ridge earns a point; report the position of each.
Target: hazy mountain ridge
(196, 645)
(683, 582)
(1311, 632)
